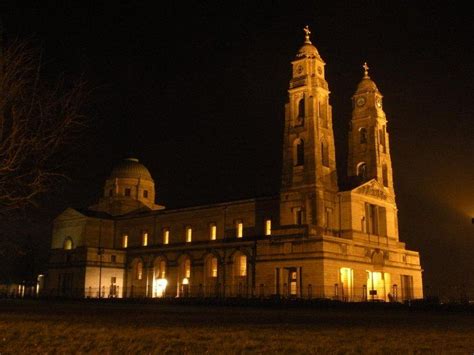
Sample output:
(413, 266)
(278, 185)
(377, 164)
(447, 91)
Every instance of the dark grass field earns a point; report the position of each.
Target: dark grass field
(34, 326)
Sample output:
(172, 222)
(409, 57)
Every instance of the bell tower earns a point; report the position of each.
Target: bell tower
(309, 178)
(369, 150)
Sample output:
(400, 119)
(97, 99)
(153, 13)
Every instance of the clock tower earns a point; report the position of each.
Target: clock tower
(369, 151)
(309, 179)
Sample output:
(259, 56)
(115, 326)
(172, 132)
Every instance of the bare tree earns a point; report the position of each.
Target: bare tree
(37, 121)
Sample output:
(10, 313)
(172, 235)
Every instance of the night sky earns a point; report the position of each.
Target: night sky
(196, 91)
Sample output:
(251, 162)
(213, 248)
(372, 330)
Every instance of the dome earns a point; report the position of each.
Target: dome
(307, 50)
(130, 168)
(366, 84)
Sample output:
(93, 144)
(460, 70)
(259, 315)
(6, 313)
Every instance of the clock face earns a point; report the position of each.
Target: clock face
(299, 69)
(379, 102)
(360, 101)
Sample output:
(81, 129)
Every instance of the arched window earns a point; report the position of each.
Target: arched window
(301, 109)
(160, 268)
(240, 264)
(212, 266)
(325, 153)
(68, 244)
(139, 270)
(362, 170)
(125, 241)
(187, 268)
(384, 175)
(298, 152)
(363, 135)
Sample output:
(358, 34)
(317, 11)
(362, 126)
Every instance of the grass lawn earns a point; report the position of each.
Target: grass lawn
(92, 327)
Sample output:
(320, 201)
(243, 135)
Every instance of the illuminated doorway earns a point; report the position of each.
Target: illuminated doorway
(347, 283)
(378, 285)
(292, 282)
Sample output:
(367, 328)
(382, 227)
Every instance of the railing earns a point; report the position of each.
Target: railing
(310, 292)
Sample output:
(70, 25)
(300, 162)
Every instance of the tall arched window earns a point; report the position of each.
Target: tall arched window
(301, 109)
(125, 241)
(187, 268)
(362, 170)
(298, 152)
(139, 270)
(384, 175)
(68, 244)
(363, 135)
(325, 153)
(212, 266)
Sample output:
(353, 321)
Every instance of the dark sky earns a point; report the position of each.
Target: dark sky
(196, 91)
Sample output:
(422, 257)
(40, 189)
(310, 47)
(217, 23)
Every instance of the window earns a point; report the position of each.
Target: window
(160, 269)
(113, 258)
(139, 270)
(301, 113)
(362, 171)
(213, 267)
(298, 152)
(145, 239)
(128, 192)
(242, 260)
(323, 112)
(376, 219)
(268, 227)
(382, 139)
(328, 218)
(347, 282)
(298, 215)
(325, 154)
(125, 241)
(68, 245)
(239, 226)
(189, 234)
(145, 193)
(212, 231)
(111, 193)
(363, 135)
(187, 268)
(166, 236)
(385, 175)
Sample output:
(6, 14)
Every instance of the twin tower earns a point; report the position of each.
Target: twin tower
(309, 186)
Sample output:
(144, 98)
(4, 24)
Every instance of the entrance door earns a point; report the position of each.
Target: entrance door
(293, 282)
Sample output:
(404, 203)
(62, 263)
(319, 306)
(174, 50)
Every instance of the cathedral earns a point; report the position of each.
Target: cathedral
(318, 238)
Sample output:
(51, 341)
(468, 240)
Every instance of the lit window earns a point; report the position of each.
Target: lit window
(347, 282)
(187, 268)
(242, 265)
(162, 269)
(213, 271)
(125, 241)
(189, 234)
(139, 270)
(268, 227)
(128, 192)
(68, 243)
(145, 239)
(213, 231)
(145, 193)
(240, 228)
(166, 236)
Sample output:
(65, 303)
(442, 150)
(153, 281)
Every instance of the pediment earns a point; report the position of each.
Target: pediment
(373, 189)
(69, 213)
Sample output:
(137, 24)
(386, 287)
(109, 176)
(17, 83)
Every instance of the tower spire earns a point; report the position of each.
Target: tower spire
(307, 33)
(366, 71)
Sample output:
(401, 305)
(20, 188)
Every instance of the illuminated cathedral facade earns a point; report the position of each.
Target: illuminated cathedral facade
(317, 239)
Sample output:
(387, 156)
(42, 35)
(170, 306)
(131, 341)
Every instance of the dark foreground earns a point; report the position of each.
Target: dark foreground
(116, 327)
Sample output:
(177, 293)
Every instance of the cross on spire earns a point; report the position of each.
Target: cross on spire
(366, 70)
(307, 33)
